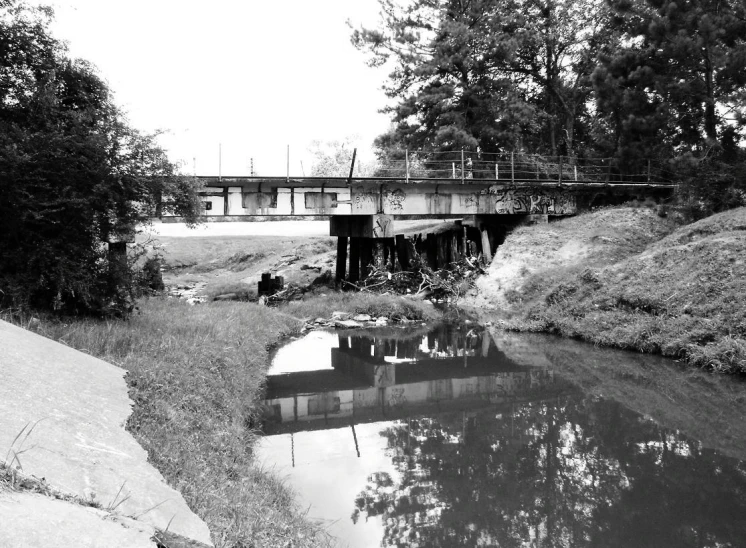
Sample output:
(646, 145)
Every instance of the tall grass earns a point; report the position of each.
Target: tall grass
(683, 295)
(196, 376)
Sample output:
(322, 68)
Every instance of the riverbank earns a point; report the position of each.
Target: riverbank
(627, 278)
(623, 277)
(196, 376)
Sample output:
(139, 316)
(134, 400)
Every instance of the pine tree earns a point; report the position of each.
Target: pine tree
(681, 76)
(488, 75)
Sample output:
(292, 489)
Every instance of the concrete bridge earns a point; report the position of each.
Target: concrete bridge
(488, 202)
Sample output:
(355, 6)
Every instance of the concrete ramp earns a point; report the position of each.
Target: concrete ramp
(79, 406)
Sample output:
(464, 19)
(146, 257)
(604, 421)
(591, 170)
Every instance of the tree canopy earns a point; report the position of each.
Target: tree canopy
(637, 80)
(74, 176)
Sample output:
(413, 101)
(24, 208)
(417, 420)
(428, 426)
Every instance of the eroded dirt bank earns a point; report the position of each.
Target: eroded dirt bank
(627, 278)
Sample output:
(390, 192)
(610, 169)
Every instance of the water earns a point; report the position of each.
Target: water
(451, 436)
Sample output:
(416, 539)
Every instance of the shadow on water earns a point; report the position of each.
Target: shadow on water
(507, 440)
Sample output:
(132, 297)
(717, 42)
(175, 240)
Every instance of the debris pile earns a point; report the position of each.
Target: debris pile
(345, 320)
(439, 285)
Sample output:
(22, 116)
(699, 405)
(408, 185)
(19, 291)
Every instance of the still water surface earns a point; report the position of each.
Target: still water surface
(453, 436)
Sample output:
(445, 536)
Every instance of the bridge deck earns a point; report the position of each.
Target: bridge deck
(403, 197)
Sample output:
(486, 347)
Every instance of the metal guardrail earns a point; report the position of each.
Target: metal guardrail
(465, 167)
(518, 167)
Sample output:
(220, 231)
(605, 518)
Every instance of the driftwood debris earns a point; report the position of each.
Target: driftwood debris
(444, 283)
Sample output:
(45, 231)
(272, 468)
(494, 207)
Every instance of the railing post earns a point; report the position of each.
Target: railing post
(497, 171)
(406, 164)
(512, 167)
(648, 170)
(608, 172)
(560, 169)
(462, 164)
(575, 167)
(453, 166)
(352, 168)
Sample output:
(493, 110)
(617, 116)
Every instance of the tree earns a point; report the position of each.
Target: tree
(74, 177)
(681, 75)
(488, 75)
(674, 91)
(334, 159)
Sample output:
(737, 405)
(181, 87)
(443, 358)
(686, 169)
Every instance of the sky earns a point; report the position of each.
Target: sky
(245, 77)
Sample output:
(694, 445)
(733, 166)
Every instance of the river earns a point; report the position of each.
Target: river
(459, 436)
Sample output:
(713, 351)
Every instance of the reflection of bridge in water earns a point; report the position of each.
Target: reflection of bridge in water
(376, 378)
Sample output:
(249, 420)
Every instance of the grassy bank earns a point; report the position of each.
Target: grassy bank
(195, 375)
(627, 279)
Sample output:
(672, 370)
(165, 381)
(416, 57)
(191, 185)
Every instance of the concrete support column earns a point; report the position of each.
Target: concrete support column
(486, 246)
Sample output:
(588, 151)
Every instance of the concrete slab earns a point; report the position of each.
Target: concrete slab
(35, 521)
(79, 445)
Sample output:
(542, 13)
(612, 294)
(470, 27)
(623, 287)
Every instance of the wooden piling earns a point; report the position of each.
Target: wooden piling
(389, 253)
(441, 250)
(341, 258)
(402, 251)
(366, 256)
(454, 255)
(355, 259)
(431, 244)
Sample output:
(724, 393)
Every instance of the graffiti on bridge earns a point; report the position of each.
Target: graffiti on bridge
(531, 201)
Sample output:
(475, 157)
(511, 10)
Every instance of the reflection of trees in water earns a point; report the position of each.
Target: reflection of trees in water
(570, 473)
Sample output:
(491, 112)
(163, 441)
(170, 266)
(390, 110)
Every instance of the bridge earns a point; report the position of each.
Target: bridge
(489, 194)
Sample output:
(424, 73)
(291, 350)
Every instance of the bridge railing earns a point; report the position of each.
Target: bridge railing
(519, 167)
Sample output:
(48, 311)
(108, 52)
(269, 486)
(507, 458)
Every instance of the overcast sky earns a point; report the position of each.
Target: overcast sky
(254, 76)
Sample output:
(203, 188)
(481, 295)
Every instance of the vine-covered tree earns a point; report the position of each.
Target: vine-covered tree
(74, 177)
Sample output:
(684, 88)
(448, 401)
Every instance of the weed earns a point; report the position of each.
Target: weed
(12, 457)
